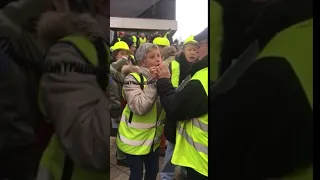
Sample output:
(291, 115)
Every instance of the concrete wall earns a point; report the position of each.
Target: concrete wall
(164, 9)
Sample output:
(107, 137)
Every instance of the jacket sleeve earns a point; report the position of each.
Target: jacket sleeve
(79, 111)
(190, 102)
(139, 101)
(117, 65)
(115, 96)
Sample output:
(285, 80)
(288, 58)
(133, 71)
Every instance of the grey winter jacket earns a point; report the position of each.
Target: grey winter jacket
(140, 101)
(74, 103)
(116, 89)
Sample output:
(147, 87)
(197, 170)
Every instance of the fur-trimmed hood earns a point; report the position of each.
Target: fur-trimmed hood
(55, 25)
(127, 69)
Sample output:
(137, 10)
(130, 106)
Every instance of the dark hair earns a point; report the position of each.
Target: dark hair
(3, 3)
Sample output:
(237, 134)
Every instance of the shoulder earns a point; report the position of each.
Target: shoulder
(62, 52)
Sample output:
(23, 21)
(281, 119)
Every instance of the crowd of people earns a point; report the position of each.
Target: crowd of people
(73, 100)
(143, 77)
(66, 84)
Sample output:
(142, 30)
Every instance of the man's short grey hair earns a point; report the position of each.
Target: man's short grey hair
(142, 51)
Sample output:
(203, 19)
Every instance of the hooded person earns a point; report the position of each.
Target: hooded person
(128, 39)
(120, 54)
(77, 103)
(161, 42)
(169, 54)
(141, 126)
(21, 142)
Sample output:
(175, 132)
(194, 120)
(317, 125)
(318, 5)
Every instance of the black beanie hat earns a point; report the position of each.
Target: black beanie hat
(202, 36)
(128, 40)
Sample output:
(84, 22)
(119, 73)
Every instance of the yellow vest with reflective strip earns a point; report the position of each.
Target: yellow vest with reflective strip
(191, 149)
(296, 45)
(137, 137)
(142, 40)
(53, 157)
(175, 73)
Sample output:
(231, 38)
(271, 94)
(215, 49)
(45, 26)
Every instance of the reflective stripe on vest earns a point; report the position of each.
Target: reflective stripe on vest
(137, 137)
(139, 125)
(142, 40)
(191, 149)
(175, 73)
(296, 45)
(53, 157)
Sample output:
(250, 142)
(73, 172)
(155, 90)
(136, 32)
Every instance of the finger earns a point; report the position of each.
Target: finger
(153, 68)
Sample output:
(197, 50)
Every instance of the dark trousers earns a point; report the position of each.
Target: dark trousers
(192, 174)
(150, 162)
(20, 163)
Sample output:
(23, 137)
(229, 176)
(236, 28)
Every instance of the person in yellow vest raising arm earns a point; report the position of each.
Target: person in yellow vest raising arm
(161, 42)
(188, 106)
(141, 124)
(120, 54)
(132, 48)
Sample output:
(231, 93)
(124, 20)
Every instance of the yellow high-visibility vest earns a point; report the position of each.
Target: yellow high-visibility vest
(300, 56)
(142, 40)
(143, 134)
(175, 73)
(191, 149)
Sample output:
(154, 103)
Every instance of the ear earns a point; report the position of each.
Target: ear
(142, 63)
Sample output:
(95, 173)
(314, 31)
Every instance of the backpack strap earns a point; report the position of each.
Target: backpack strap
(141, 79)
(103, 64)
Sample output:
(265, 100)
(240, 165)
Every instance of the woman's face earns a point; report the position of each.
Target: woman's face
(190, 51)
(152, 58)
(122, 54)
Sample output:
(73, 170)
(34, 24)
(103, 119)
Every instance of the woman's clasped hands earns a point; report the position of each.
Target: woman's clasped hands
(160, 71)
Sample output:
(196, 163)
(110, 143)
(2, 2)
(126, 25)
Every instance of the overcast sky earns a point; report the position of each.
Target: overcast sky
(192, 17)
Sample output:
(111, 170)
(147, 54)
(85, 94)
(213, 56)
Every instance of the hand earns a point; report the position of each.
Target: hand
(154, 72)
(163, 71)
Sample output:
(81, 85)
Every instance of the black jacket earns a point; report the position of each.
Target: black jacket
(19, 113)
(171, 125)
(262, 126)
(190, 102)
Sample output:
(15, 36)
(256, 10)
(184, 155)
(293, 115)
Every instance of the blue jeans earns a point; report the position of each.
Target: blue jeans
(168, 171)
(150, 162)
